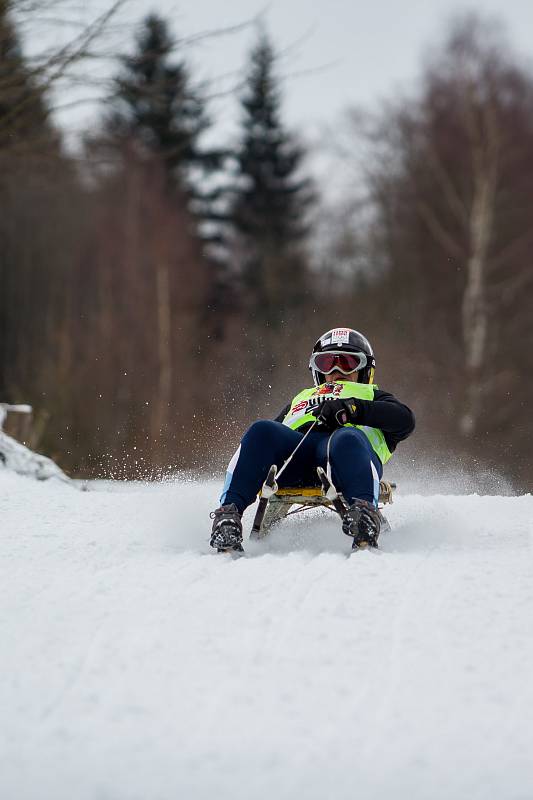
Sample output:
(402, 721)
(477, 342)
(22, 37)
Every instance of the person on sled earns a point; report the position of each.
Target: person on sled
(356, 428)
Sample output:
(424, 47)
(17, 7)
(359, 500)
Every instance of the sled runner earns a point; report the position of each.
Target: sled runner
(275, 504)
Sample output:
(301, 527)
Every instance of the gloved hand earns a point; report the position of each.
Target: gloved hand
(335, 413)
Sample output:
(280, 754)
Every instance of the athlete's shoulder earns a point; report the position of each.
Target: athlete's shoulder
(383, 394)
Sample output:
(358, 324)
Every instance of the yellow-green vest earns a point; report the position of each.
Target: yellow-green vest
(306, 401)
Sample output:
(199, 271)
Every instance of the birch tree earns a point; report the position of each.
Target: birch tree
(449, 176)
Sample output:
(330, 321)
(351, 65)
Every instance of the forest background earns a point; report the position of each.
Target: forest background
(161, 288)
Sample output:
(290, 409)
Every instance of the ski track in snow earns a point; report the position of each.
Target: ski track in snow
(137, 665)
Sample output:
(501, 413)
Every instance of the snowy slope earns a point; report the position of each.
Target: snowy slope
(137, 666)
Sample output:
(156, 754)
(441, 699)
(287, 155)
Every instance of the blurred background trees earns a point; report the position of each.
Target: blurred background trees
(449, 176)
(39, 225)
(160, 293)
(271, 199)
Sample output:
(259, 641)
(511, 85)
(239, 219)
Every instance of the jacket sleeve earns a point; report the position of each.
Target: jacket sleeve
(385, 412)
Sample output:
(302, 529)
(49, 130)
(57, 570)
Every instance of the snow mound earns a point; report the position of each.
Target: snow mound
(136, 664)
(20, 459)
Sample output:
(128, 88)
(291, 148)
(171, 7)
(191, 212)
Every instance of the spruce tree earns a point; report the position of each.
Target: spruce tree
(157, 106)
(271, 198)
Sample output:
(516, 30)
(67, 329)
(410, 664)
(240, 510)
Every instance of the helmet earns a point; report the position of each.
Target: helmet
(344, 340)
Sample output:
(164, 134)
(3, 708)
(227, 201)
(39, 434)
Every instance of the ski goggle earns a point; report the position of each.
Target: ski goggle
(325, 363)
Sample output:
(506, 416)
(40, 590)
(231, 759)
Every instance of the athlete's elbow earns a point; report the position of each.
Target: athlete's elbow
(410, 422)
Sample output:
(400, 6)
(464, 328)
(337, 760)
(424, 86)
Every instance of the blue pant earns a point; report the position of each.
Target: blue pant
(355, 468)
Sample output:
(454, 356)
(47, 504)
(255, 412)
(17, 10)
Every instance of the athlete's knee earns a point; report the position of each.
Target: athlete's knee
(262, 431)
(346, 439)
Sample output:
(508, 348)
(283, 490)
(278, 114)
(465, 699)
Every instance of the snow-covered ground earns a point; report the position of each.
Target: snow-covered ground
(135, 665)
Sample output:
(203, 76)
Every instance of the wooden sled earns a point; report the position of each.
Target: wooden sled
(275, 504)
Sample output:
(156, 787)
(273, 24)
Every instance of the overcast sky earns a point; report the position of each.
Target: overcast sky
(346, 51)
(337, 53)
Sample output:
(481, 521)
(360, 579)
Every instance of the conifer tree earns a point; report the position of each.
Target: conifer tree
(271, 198)
(159, 111)
(158, 107)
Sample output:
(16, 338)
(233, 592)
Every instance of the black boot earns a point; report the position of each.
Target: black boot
(363, 523)
(226, 533)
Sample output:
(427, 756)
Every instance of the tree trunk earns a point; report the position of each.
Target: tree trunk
(164, 348)
(475, 311)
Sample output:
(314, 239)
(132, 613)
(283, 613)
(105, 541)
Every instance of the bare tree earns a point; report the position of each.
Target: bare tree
(448, 174)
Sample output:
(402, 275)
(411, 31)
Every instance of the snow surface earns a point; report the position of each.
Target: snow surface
(135, 665)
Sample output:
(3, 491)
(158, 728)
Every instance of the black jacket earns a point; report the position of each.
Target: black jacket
(385, 412)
